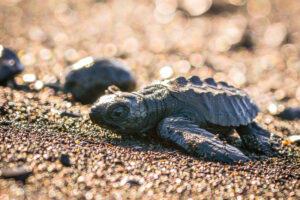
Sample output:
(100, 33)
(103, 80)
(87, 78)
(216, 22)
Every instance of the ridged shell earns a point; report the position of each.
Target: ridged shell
(219, 102)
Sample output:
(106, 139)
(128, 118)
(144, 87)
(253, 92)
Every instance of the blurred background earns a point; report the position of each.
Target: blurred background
(252, 44)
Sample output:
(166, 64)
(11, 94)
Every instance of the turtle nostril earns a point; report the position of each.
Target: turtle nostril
(21, 67)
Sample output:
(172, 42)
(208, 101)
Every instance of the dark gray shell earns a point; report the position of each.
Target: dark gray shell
(10, 65)
(90, 79)
(220, 103)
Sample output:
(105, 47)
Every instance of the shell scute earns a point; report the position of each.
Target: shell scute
(195, 80)
(218, 102)
(222, 83)
(180, 81)
(210, 81)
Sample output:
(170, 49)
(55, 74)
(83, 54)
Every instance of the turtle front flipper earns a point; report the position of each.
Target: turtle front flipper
(197, 141)
(259, 140)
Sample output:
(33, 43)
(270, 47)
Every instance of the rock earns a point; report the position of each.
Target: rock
(10, 65)
(290, 114)
(19, 173)
(90, 77)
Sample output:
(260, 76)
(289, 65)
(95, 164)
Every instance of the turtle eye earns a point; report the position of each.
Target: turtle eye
(119, 112)
(11, 62)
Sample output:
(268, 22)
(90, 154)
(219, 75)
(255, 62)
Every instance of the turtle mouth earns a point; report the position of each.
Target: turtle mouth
(20, 67)
(102, 123)
(110, 127)
(93, 116)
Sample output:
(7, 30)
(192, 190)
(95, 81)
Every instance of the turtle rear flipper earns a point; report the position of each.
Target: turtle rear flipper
(258, 140)
(197, 141)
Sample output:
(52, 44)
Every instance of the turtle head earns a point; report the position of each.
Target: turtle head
(10, 64)
(121, 112)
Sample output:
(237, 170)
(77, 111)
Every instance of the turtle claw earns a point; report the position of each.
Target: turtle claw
(259, 144)
(258, 140)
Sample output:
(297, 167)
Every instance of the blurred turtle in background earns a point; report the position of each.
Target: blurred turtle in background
(90, 77)
(10, 66)
(289, 114)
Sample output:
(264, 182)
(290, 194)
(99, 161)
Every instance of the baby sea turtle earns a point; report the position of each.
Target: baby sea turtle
(90, 77)
(10, 65)
(189, 113)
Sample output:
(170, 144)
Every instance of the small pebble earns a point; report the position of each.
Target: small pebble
(68, 114)
(272, 108)
(38, 85)
(182, 66)
(166, 72)
(29, 78)
(65, 160)
(85, 62)
(294, 139)
(112, 89)
(196, 7)
(275, 34)
(133, 183)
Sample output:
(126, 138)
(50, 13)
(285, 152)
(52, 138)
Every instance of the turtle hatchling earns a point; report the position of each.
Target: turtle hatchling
(10, 65)
(90, 77)
(189, 113)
